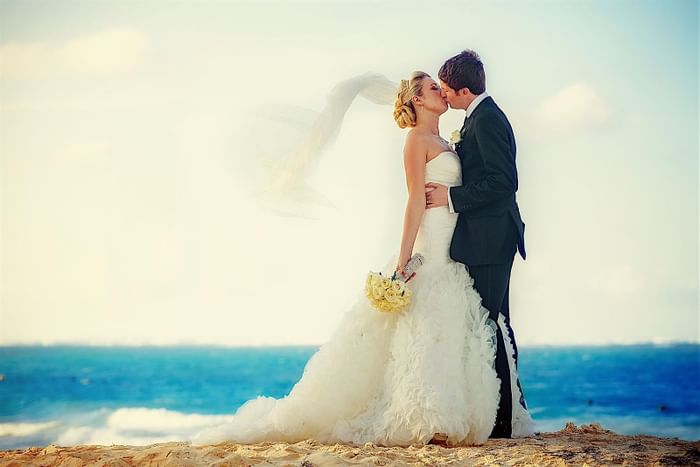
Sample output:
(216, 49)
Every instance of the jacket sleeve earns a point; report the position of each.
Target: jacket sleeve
(499, 180)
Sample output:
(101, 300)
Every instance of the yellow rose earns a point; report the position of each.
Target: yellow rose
(398, 286)
(456, 137)
(386, 283)
(370, 294)
(377, 292)
(391, 296)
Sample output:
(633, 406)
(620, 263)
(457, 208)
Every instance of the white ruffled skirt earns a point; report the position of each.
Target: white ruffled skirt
(393, 379)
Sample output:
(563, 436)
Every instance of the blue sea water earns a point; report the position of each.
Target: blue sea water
(70, 395)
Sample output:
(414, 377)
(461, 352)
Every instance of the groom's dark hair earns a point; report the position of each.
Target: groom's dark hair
(464, 70)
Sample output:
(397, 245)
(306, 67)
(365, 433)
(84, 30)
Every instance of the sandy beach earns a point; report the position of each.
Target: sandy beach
(573, 445)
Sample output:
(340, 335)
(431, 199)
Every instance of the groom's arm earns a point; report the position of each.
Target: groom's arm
(500, 179)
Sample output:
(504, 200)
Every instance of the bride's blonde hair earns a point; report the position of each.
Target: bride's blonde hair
(404, 111)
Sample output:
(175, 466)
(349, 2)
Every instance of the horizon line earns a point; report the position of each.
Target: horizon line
(654, 342)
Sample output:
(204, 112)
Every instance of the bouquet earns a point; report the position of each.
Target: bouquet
(391, 294)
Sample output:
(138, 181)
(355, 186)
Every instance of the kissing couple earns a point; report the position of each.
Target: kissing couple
(444, 370)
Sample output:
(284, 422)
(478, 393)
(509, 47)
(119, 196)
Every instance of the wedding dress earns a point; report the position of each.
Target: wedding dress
(397, 379)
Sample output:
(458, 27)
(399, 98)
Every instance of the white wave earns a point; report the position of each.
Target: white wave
(107, 437)
(25, 429)
(160, 420)
(127, 425)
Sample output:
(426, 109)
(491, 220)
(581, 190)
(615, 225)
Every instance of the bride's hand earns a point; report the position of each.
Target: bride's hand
(400, 269)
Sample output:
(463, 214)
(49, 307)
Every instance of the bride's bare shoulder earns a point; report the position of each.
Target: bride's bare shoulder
(416, 138)
(416, 144)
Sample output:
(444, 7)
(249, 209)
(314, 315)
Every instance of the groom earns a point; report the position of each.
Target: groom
(489, 229)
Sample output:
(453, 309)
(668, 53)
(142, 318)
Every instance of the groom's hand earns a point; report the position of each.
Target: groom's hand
(435, 195)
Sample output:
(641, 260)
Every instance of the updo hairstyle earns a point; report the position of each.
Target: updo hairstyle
(404, 111)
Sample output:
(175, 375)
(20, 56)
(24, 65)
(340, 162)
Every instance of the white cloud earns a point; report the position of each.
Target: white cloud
(112, 51)
(577, 105)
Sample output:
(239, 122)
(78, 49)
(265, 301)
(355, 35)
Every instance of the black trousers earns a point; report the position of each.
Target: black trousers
(492, 281)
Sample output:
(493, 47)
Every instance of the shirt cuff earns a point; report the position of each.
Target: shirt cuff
(449, 201)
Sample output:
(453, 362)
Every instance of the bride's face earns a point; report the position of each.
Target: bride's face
(433, 97)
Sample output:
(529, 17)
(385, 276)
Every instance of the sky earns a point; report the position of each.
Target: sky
(135, 138)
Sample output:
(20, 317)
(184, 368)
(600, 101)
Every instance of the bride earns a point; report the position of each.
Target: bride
(424, 375)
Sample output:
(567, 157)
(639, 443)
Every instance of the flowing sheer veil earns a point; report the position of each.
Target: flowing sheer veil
(286, 189)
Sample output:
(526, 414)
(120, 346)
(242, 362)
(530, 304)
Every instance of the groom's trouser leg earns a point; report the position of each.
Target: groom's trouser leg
(491, 281)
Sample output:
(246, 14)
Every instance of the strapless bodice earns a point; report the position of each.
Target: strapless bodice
(436, 228)
(445, 168)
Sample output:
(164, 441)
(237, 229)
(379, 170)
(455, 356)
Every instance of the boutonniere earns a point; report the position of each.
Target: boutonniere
(455, 138)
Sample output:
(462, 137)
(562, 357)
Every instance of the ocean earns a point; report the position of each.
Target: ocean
(69, 395)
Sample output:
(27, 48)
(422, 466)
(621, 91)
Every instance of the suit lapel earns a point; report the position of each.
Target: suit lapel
(465, 125)
(462, 134)
(468, 122)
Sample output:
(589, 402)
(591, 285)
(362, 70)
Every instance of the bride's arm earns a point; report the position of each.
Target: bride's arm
(414, 153)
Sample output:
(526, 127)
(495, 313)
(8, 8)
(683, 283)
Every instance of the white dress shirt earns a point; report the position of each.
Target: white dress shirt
(477, 100)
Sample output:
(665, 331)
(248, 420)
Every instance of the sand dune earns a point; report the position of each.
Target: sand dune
(587, 444)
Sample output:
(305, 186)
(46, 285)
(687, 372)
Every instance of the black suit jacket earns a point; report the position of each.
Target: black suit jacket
(489, 228)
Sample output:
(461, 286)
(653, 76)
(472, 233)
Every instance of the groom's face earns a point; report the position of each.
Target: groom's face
(455, 99)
